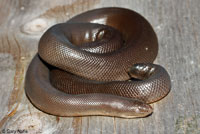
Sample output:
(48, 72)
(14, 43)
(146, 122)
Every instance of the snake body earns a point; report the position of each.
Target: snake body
(98, 63)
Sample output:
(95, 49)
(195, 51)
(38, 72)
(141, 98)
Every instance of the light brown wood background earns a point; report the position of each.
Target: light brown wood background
(177, 24)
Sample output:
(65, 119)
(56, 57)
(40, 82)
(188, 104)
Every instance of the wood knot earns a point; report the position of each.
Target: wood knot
(35, 26)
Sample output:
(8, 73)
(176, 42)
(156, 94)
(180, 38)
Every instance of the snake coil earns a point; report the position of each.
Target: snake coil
(98, 63)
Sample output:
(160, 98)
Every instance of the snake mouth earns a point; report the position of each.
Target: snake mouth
(142, 111)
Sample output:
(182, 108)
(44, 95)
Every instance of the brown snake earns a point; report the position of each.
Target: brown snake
(98, 63)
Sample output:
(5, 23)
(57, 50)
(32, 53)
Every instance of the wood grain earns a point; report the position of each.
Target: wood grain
(177, 24)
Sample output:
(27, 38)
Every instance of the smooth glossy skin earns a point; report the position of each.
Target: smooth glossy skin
(89, 69)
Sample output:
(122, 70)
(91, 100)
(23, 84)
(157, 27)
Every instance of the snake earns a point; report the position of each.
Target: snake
(98, 63)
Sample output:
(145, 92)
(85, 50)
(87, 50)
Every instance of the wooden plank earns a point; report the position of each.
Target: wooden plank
(176, 23)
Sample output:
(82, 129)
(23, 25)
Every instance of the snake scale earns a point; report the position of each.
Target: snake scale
(98, 63)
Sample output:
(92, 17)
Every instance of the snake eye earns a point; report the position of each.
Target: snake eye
(103, 33)
(100, 34)
(141, 71)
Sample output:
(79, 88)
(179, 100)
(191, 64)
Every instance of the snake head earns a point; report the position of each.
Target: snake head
(135, 108)
(141, 71)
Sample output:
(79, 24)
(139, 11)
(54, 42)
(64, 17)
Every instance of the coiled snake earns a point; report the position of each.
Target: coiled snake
(98, 63)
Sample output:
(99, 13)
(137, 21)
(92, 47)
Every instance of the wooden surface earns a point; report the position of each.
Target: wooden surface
(177, 24)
